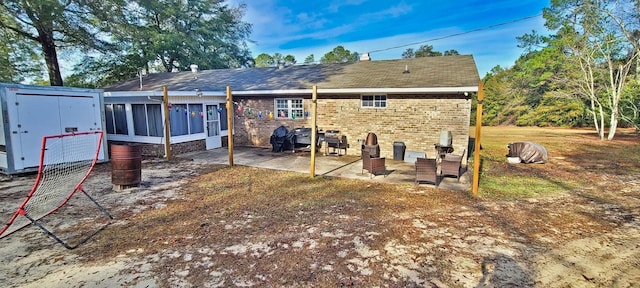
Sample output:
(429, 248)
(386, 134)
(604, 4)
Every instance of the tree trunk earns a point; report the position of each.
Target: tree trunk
(50, 56)
(595, 116)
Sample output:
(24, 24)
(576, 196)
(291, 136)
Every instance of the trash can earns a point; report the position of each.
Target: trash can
(398, 150)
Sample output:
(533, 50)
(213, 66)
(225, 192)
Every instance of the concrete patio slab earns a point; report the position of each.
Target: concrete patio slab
(345, 166)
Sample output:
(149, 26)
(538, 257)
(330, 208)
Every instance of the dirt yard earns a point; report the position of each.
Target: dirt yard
(196, 225)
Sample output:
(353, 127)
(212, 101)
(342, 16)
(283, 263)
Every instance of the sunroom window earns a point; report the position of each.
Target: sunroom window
(116, 119)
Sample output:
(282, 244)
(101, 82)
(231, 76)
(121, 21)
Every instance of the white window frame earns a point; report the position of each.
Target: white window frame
(115, 121)
(376, 101)
(290, 107)
(146, 119)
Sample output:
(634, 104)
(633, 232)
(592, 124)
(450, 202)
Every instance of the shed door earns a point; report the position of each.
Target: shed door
(44, 115)
(38, 116)
(78, 113)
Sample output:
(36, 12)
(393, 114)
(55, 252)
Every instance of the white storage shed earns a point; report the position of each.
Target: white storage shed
(32, 112)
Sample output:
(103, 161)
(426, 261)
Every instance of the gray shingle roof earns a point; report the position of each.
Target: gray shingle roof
(426, 72)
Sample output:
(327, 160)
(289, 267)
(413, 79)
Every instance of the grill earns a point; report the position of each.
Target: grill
(371, 145)
(303, 136)
(281, 139)
(332, 136)
(335, 140)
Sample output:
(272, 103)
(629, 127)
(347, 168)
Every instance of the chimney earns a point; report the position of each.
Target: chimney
(365, 57)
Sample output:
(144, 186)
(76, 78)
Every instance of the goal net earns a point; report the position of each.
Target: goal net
(65, 163)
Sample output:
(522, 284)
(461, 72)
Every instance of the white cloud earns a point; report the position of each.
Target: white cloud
(336, 5)
(275, 26)
(393, 12)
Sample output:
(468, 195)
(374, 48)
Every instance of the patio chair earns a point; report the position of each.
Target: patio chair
(339, 145)
(373, 165)
(426, 171)
(451, 165)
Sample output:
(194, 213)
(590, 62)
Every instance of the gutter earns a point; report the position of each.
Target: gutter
(432, 90)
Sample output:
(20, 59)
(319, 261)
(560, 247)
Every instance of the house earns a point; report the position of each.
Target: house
(407, 100)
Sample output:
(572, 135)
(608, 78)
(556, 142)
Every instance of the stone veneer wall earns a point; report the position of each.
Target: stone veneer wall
(415, 120)
(157, 150)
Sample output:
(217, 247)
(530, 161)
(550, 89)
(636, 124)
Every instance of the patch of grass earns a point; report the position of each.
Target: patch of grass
(577, 158)
(522, 186)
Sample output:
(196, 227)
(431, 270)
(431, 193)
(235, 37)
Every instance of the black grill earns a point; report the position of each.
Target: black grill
(303, 136)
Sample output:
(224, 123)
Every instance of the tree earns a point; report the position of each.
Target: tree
(408, 54)
(601, 38)
(289, 60)
(264, 60)
(451, 52)
(170, 35)
(339, 55)
(18, 57)
(180, 33)
(310, 59)
(54, 24)
(426, 51)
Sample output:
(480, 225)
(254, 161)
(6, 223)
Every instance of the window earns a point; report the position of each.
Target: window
(289, 108)
(147, 120)
(374, 101)
(185, 119)
(196, 123)
(224, 124)
(116, 119)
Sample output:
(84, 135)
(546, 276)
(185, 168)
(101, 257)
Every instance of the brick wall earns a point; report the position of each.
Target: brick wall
(157, 150)
(415, 120)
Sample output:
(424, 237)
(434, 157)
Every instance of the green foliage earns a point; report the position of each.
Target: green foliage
(426, 51)
(97, 72)
(310, 59)
(165, 36)
(18, 58)
(339, 55)
(264, 60)
(55, 24)
(289, 60)
(630, 104)
(503, 104)
(555, 110)
(180, 33)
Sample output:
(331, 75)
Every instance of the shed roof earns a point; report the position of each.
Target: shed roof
(424, 72)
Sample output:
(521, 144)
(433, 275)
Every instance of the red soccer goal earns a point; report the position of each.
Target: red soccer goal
(65, 163)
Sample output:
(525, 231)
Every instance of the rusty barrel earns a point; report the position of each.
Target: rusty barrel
(126, 164)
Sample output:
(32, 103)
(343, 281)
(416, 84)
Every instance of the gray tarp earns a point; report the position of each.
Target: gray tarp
(529, 152)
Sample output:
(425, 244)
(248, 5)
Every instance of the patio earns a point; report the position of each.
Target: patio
(346, 166)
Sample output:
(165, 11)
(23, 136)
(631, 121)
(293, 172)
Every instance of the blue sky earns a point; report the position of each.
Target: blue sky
(301, 28)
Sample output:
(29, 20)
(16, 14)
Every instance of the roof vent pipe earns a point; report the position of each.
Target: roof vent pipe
(406, 69)
(365, 57)
(194, 70)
